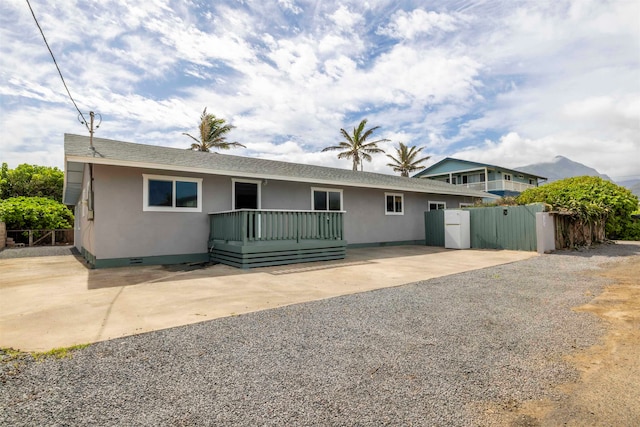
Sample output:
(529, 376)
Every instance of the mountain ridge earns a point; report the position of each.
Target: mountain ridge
(562, 167)
(559, 168)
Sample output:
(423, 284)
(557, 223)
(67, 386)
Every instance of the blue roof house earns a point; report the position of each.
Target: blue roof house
(492, 179)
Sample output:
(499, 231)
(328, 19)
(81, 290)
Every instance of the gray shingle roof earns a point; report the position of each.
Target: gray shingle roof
(77, 152)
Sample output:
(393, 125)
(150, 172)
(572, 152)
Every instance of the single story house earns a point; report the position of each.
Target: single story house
(144, 204)
(481, 176)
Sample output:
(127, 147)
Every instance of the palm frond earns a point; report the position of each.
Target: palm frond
(192, 137)
(355, 146)
(405, 161)
(213, 131)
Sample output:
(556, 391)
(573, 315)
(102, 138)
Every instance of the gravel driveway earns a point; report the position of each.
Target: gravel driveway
(36, 251)
(429, 353)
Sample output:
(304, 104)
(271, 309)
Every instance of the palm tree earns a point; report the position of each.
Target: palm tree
(355, 147)
(406, 161)
(213, 133)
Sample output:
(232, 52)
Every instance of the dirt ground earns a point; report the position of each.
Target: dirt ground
(608, 393)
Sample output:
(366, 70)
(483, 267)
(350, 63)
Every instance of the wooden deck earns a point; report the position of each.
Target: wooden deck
(256, 238)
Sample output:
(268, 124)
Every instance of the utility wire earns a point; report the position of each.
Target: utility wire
(56, 64)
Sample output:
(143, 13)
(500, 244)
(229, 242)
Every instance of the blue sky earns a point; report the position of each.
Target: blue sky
(504, 82)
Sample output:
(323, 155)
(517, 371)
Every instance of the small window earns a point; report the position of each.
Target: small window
(532, 181)
(507, 177)
(466, 205)
(434, 206)
(465, 179)
(171, 194)
(326, 199)
(454, 180)
(394, 203)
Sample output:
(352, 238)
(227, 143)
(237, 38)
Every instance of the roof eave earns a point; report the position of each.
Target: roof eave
(258, 175)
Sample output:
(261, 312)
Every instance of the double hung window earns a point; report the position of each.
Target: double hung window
(434, 206)
(326, 199)
(394, 203)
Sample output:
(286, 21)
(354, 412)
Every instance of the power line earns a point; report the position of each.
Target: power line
(84, 121)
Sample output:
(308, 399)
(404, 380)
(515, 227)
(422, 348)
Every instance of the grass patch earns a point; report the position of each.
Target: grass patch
(58, 353)
(9, 354)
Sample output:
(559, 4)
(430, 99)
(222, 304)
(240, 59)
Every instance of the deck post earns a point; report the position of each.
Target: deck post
(243, 225)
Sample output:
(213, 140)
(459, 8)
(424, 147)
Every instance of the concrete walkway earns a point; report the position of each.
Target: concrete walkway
(48, 302)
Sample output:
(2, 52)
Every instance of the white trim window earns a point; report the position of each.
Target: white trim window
(466, 205)
(326, 199)
(506, 177)
(394, 203)
(162, 193)
(435, 206)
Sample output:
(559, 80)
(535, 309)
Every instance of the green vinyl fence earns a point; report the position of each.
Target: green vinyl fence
(434, 227)
(505, 227)
(500, 227)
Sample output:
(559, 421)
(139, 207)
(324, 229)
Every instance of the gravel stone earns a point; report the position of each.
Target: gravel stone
(36, 251)
(423, 354)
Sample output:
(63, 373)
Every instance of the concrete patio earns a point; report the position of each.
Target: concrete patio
(56, 301)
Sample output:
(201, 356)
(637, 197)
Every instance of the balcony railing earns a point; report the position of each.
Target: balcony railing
(248, 225)
(498, 185)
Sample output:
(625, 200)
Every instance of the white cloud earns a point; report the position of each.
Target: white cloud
(512, 150)
(290, 5)
(346, 20)
(297, 60)
(27, 136)
(409, 25)
(534, 80)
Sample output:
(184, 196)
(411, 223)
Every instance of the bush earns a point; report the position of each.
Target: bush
(589, 199)
(35, 213)
(31, 181)
(502, 201)
(631, 231)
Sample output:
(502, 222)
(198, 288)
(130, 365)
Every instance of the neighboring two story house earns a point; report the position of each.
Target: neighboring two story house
(481, 176)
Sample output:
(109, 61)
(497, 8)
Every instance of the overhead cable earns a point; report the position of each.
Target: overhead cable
(84, 121)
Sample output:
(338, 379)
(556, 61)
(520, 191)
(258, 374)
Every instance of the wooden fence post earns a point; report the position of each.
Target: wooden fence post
(3, 235)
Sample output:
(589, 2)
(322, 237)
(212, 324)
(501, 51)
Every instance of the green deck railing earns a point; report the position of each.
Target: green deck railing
(263, 225)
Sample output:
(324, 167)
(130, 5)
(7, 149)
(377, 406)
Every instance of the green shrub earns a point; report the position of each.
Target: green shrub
(31, 181)
(589, 198)
(35, 213)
